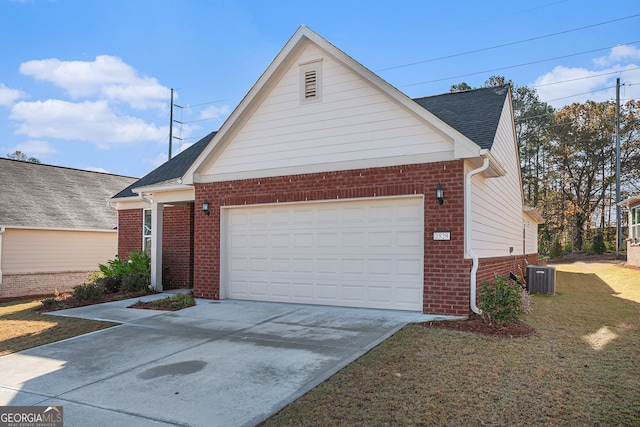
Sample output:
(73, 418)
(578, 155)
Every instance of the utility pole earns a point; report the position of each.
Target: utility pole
(171, 124)
(618, 208)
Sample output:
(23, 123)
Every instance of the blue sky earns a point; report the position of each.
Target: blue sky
(86, 84)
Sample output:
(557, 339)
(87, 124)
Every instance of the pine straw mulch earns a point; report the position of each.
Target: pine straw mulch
(475, 324)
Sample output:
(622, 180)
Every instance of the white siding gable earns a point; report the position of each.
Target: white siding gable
(352, 124)
(496, 210)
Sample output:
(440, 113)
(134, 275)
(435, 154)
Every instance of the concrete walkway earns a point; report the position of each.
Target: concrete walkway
(225, 363)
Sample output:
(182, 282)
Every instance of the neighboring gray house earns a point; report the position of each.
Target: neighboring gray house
(56, 226)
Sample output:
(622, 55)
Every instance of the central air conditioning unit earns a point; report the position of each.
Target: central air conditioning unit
(541, 280)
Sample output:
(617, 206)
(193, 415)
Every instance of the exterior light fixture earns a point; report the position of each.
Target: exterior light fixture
(440, 195)
(205, 208)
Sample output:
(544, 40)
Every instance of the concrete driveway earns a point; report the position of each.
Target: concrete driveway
(225, 363)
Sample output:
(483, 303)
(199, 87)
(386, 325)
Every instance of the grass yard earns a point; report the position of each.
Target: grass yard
(22, 328)
(582, 368)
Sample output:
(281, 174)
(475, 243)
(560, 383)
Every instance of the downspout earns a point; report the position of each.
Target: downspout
(2, 230)
(467, 233)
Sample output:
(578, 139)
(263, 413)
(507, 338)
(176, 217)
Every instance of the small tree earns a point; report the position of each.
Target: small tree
(19, 155)
(597, 243)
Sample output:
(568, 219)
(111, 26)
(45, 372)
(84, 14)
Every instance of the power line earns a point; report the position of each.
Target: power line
(587, 77)
(514, 66)
(455, 55)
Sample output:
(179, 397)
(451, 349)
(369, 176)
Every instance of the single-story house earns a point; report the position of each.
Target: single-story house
(327, 185)
(56, 226)
(633, 241)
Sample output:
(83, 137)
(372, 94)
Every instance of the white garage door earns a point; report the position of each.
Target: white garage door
(363, 253)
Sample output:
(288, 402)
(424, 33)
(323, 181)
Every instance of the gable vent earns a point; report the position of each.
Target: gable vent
(310, 84)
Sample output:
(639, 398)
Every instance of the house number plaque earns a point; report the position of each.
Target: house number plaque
(442, 235)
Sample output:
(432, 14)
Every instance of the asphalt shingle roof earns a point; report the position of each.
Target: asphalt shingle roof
(37, 195)
(170, 171)
(474, 113)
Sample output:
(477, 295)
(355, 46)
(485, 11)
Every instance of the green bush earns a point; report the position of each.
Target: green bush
(500, 301)
(597, 244)
(88, 292)
(50, 303)
(134, 282)
(114, 268)
(139, 263)
(111, 284)
(555, 251)
(132, 275)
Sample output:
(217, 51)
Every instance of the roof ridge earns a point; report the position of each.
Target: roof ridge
(66, 167)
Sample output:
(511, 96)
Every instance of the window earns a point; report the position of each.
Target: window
(634, 225)
(310, 81)
(146, 231)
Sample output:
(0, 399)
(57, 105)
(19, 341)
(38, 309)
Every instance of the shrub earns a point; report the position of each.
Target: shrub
(111, 284)
(135, 283)
(555, 251)
(597, 244)
(88, 292)
(114, 268)
(500, 301)
(50, 303)
(139, 263)
(94, 276)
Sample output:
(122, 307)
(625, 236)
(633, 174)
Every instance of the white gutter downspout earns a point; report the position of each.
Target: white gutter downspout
(2, 230)
(467, 232)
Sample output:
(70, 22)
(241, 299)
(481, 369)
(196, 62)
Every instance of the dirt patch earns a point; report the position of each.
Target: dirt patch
(475, 324)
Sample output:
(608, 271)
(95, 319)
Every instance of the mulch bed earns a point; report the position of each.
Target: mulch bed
(475, 324)
(67, 300)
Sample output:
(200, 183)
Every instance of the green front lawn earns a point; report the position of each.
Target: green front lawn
(582, 367)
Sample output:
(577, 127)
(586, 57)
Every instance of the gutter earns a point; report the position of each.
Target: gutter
(467, 234)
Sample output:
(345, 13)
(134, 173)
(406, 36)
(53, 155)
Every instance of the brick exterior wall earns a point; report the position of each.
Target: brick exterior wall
(18, 285)
(177, 242)
(129, 232)
(446, 272)
(177, 247)
(489, 267)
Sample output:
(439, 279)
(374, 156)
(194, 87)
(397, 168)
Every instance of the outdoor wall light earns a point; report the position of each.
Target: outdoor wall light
(205, 208)
(440, 194)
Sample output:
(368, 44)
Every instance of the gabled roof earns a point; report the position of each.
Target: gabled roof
(463, 147)
(44, 196)
(169, 172)
(474, 113)
(470, 119)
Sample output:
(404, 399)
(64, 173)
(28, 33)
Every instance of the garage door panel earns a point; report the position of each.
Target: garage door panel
(365, 253)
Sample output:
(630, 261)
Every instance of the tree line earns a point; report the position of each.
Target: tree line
(568, 163)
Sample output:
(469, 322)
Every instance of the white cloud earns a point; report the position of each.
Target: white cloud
(9, 96)
(86, 121)
(564, 85)
(214, 112)
(618, 54)
(158, 160)
(96, 169)
(107, 77)
(35, 148)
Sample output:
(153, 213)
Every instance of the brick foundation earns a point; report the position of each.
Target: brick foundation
(18, 285)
